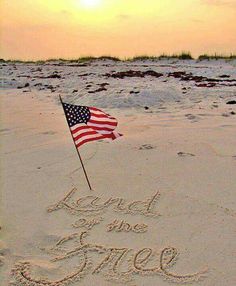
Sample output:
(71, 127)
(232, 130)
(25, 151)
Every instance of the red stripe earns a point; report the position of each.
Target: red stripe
(112, 136)
(92, 127)
(94, 108)
(80, 128)
(102, 128)
(85, 134)
(103, 122)
(102, 116)
(108, 135)
(87, 140)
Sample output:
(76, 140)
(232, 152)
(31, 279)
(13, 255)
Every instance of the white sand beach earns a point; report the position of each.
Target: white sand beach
(162, 210)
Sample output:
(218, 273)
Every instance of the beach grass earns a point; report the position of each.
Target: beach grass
(217, 57)
(142, 58)
(181, 56)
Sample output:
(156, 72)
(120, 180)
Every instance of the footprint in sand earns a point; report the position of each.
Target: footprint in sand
(4, 251)
(4, 130)
(183, 154)
(48, 133)
(146, 147)
(190, 116)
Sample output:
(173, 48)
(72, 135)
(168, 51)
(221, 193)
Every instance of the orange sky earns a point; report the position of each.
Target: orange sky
(41, 29)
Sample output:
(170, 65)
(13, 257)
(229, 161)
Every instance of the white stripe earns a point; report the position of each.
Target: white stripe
(97, 112)
(103, 131)
(77, 125)
(116, 134)
(80, 132)
(88, 137)
(112, 127)
(89, 127)
(103, 119)
(103, 114)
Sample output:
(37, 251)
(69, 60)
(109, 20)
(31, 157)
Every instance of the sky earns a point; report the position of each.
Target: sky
(42, 29)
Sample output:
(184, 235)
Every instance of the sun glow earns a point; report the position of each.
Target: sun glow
(42, 29)
(90, 3)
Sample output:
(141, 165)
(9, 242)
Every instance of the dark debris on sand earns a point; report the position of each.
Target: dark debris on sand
(200, 81)
(231, 102)
(132, 73)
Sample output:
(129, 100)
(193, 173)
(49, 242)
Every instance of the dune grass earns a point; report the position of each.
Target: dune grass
(181, 56)
(15, 61)
(85, 59)
(91, 58)
(142, 58)
(217, 57)
(74, 60)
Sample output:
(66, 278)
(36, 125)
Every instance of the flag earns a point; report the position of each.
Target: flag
(89, 123)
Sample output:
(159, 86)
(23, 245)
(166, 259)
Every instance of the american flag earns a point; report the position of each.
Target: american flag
(89, 123)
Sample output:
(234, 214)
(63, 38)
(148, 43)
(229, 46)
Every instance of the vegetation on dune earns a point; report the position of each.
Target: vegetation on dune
(16, 61)
(91, 58)
(217, 57)
(115, 59)
(185, 56)
(143, 58)
(84, 59)
(181, 56)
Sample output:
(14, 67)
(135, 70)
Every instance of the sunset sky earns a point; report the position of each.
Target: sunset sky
(40, 29)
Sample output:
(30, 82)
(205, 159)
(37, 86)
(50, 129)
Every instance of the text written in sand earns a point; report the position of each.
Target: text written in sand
(123, 226)
(92, 205)
(119, 264)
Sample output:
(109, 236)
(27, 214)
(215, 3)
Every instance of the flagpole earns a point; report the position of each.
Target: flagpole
(85, 173)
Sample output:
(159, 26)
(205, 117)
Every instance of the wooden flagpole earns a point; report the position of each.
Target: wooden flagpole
(85, 173)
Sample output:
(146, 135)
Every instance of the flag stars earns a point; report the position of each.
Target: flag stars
(76, 114)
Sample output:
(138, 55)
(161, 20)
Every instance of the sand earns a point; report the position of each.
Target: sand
(162, 209)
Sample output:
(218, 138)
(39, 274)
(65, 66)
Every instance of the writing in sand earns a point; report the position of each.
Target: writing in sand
(92, 205)
(119, 264)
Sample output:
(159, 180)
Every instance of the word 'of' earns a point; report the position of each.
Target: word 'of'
(87, 223)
